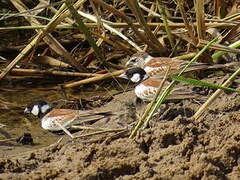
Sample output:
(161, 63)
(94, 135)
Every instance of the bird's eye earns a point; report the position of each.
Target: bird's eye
(134, 60)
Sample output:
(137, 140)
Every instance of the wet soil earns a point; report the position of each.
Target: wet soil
(173, 147)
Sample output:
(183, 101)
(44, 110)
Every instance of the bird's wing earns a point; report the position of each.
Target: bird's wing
(70, 116)
(91, 116)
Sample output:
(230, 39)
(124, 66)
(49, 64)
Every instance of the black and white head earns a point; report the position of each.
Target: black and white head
(139, 59)
(136, 75)
(38, 108)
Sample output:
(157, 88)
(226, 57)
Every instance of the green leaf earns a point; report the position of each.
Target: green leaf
(201, 83)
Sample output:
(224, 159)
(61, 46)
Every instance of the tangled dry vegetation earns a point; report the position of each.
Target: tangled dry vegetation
(103, 34)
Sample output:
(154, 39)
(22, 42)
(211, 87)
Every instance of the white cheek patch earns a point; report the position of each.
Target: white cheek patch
(44, 108)
(35, 110)
(136, 78)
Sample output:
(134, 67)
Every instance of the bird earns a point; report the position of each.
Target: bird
(51, 117)
(147, 86)
(156, 66)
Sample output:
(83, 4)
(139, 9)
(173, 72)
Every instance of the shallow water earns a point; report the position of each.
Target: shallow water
(15, 96)
(17, 123)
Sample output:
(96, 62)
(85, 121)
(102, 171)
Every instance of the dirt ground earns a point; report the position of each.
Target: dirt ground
(174, 147)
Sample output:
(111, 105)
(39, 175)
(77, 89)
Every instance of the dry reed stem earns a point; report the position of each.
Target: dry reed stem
(151, 111)
(89, 128)
(220, 47)
(214, 96)
(114, 44)
(152, 9)
(125, 25)
(152, 41)
(82, 28)
(122, 16)
(185, 56)
(54, 11)
(7, 140)
(112, 30)
(20, 71)
(186, 22)
(100, 132)
(64, 129)
(148, 113)
(94, 79)
(201, 28)
(51, 25)
(161, 9)
(49, 39)
(151, 12)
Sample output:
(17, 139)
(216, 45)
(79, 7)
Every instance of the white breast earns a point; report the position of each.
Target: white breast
(49, 123)
(145, 92)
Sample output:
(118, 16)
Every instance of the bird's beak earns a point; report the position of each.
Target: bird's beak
(26, 110)
(145, 77)
(129, 63)
(124, 76)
